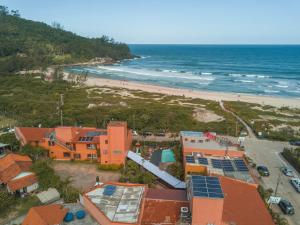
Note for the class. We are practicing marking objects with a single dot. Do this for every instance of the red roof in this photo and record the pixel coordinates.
(11, 165)
(162, 211)
(45, 215)
(243, 204)
(22, 182)
(33, 133)
(162, 206)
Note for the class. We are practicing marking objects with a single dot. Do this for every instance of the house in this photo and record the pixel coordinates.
(16, 175)
(207, 200)
(45, 215)
(209, 154)
(107, 146)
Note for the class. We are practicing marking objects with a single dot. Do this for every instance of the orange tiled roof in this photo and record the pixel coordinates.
(13, 164)
(243, 204)
(162, 211)
(34, 133)
(45, 215)
(22, 182)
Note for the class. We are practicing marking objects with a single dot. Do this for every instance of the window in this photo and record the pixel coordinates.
(92, 156)
(67, 155)
(51, 143)
(91, 146)
(106, 141)
(77, 156)
(186, 139)
(105, 152)
(193, 141)
(117, 152)
(200, 141)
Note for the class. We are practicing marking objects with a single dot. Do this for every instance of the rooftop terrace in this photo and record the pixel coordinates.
(230, 167)
(119, 204)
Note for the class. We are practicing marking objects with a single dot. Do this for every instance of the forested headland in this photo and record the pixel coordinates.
(27, 44)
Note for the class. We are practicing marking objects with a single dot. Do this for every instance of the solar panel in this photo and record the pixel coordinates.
(86, 138)
(224, 164)
(240, 165)
(202, 160)
(109, 190)
(206, 187)
(190, 159)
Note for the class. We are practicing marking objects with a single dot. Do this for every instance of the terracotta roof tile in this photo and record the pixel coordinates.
(162, 211)
(20, 183)
(45, 215)
(13, 164)
(243, 204)
(34, 133)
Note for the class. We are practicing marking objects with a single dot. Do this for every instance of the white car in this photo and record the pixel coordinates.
(295, 182)
(287, 171)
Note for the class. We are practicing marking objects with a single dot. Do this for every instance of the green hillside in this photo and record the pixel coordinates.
(27, 44)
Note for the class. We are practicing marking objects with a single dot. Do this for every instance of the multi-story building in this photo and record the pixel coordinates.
(207, 200)
(209, 154)
(107, 146)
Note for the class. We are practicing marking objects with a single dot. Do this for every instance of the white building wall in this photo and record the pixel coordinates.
(32, 187)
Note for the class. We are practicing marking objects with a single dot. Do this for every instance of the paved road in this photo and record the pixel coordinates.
(266, 153)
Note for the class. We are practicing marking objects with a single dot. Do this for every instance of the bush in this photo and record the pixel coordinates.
(6, 201)
(110, 167)
(47, 178)
(35, 153)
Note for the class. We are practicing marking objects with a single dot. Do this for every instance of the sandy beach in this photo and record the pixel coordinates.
(208, 95)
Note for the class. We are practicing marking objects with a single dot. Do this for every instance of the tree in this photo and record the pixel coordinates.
(15, 13)
(3, 10)
(11, 140)
(35, 153)
(57, 25)
(6, 200)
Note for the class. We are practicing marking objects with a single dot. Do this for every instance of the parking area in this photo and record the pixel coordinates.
(267, 153)
(83, 175)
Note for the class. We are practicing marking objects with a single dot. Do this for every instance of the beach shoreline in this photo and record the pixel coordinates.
(207, 95)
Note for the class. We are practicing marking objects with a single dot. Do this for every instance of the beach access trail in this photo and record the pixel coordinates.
(251, 133)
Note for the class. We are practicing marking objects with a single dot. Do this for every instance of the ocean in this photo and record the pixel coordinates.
(272, 70)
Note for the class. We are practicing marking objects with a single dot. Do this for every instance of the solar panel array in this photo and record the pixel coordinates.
(86, 138)
(209, 187)
(190, 159)
(202, 160)
(224, 164)
(240, 165)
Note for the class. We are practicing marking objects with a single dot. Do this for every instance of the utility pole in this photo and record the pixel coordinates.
(61, 110)
(236, 128)
(277, 185)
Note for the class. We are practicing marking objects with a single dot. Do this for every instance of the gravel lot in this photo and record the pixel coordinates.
(268, 153)
(83, 175)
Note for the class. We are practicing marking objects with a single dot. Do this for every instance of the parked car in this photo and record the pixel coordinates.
(263, 171)
(286, 207)
(287, 171)
(296, 143)
(295, 182)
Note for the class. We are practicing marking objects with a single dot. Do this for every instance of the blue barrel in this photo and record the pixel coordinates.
(80, 214)
(69, 217)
